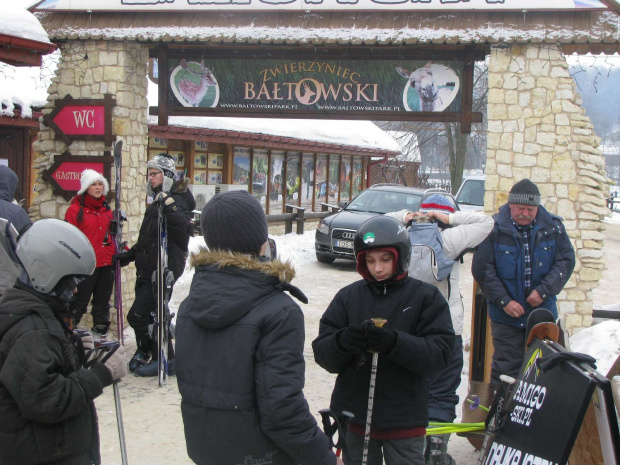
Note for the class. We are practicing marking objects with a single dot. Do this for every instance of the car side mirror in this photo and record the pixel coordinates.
(343, 203)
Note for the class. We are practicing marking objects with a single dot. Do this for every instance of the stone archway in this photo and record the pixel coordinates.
(537, 129)
(536, 126)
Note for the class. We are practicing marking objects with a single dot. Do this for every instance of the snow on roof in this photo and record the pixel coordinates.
(351, 133)
(342, 28)
(17, 22)
(26, 86)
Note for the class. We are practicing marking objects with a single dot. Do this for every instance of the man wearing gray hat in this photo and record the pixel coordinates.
(522, 265)
(178, 205)
(240, 341)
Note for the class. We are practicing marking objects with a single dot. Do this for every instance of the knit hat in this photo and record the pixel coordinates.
(234, 221)
(88, 178)
(164, 163)
(525, 192)
(436, 203)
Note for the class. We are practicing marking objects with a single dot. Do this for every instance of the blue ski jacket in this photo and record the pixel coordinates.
(499, 265)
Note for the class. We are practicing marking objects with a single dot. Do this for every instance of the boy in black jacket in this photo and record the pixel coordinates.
(415, 343)
(240, 348)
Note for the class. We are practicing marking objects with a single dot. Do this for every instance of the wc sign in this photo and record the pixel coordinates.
(82, 119)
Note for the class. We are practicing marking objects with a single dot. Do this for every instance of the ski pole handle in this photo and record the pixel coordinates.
(328, 428)
(343, 427)
(378, 322)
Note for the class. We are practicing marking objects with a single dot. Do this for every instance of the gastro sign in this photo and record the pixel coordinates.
(304, 5)
(65, 172)
(82, 119)
(388, 86)
(68, 173)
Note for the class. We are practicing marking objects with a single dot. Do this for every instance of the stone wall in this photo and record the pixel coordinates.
(90, 69)
(537, 129)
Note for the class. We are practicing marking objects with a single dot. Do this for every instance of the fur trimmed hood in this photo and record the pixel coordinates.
(227, 286)
(284, 271)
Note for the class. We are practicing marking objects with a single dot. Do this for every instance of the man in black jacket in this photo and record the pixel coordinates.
(415, 343)
(178, 205)
(240, 342)
(47, 380)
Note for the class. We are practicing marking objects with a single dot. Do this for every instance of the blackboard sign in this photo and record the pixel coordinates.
(546, 411)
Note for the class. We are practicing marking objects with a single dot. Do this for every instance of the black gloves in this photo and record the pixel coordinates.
(124, 258)
(352, 340)
(380, 340)
(366, 338)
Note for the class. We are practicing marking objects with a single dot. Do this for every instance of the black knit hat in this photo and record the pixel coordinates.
(525, 192)
(234, 221)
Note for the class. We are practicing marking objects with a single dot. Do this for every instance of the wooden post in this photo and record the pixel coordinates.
(288, 224)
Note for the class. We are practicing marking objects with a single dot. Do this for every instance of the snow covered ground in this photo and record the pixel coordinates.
(152, 415)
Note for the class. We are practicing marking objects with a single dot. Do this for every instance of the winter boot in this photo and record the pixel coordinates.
(437, 450)
(139, 359)
(150, 369)
(100, 333)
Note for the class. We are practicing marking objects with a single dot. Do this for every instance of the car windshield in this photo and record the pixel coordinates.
(472, 192)
(379, 201)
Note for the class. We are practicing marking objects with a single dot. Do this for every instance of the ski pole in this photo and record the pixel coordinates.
(340, 424)
(496, 413)
(371, 393)
(119, 422)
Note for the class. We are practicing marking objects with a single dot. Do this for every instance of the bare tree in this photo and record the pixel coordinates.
(443, 148)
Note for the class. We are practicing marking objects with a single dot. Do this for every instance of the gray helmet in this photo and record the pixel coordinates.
(51, 250)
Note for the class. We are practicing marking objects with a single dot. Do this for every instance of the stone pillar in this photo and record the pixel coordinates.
(537, 129)
(90, 69)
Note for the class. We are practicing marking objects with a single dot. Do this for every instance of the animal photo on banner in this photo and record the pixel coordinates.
(432, 87)
(194, 85)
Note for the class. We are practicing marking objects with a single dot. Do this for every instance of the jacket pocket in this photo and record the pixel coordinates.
(506, 262)
(544, 256)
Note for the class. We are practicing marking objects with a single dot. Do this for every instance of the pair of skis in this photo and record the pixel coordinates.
(117, 231)
(163, 280)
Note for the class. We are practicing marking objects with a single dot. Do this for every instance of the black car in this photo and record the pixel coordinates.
(335, 233)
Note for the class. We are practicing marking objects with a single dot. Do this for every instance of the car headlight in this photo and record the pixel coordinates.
(322, 227)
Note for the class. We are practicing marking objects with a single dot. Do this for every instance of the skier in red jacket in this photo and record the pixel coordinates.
(90, 213)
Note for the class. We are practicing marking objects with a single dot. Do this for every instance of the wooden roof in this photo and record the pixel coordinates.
(596, 31)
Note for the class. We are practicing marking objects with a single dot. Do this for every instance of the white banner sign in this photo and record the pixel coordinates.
(304, 5)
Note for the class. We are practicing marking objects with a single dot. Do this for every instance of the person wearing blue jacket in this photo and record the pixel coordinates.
(522, 265)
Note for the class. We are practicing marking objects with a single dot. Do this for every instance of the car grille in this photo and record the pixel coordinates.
(343, 235)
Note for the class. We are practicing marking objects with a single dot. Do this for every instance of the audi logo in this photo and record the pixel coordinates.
(348, 235)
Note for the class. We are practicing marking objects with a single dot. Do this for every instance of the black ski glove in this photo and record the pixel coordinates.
(380, 340)
(352, 340)
(124, 258)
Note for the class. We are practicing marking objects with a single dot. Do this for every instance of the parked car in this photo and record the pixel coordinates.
(335, 233)
(470, 196)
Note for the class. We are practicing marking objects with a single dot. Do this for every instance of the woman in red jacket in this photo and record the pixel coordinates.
(90, 212)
